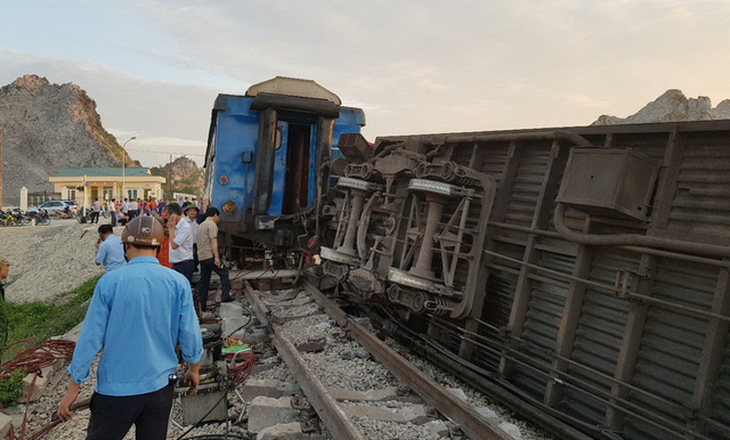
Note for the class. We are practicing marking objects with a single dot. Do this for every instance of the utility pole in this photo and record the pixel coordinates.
(124, 161)
(1, 169)
(169, 178)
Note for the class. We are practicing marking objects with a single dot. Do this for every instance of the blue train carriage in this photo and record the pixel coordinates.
(267, 164)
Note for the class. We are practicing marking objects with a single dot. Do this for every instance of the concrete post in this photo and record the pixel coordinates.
(86, 197)
(24, 199)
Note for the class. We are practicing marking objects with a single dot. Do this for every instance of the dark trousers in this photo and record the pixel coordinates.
(186, 268)
(206, 268)
(114, 218)
(94, 217)
(112, 417)
(195, 257)
(133, 213)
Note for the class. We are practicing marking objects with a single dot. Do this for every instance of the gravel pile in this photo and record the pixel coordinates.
(350, 374)
(312, 328)
(48, 260)
(344, 363)
(279, 372)
(382, 430)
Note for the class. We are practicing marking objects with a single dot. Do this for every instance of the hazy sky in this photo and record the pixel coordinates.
(154, 67)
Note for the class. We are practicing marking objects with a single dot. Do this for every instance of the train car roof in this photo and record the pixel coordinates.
(303, 88)
(583, 130)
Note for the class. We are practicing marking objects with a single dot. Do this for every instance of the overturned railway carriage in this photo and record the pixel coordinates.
(268, 161)
(584, 269)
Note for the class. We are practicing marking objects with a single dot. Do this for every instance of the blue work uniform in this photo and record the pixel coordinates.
(136, 316)
(111, 253)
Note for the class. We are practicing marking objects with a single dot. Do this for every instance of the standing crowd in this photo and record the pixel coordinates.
(189, 244)
(122, 211)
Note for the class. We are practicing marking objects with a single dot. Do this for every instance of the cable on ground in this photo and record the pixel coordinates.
(33, 360)
(36, 358)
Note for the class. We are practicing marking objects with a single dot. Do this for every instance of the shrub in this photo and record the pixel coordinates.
(11, 389)
(36, 321)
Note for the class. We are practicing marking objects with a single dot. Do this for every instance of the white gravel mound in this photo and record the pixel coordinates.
(48, 260)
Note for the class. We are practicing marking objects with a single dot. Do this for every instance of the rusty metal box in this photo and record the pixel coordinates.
(613, 182)
(355, 147)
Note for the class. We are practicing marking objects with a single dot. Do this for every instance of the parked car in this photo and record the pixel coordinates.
(52, 206)
(72, 204)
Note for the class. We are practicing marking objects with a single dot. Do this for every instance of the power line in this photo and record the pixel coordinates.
(165, 152)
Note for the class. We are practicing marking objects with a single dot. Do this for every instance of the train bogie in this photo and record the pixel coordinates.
(585, 268)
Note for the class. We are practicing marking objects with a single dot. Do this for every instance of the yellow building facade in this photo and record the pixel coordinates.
(86, 184)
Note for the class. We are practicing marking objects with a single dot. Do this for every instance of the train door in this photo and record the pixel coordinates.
(296, 181)
(293, 167)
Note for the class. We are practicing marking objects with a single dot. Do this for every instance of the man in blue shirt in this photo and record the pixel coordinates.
(109, 249)
(136, 317)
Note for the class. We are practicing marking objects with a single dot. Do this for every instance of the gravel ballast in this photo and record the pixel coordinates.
(340, 362)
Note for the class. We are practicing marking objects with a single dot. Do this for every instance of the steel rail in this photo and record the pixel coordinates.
(469, 420)
(257, 274)
(334, 417)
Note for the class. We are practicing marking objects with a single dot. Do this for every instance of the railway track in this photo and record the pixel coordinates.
(304, 334)
(360, 386)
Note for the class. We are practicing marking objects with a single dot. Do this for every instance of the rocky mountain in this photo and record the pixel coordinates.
(672, 106)
(47, 127)
(183, 174)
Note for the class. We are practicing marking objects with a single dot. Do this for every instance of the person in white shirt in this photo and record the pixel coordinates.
(133, 209)
(181, 242)
(190, 211)
(95, 210)
(113, 212)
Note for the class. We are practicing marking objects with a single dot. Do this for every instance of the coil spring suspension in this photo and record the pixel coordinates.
(437, 305)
